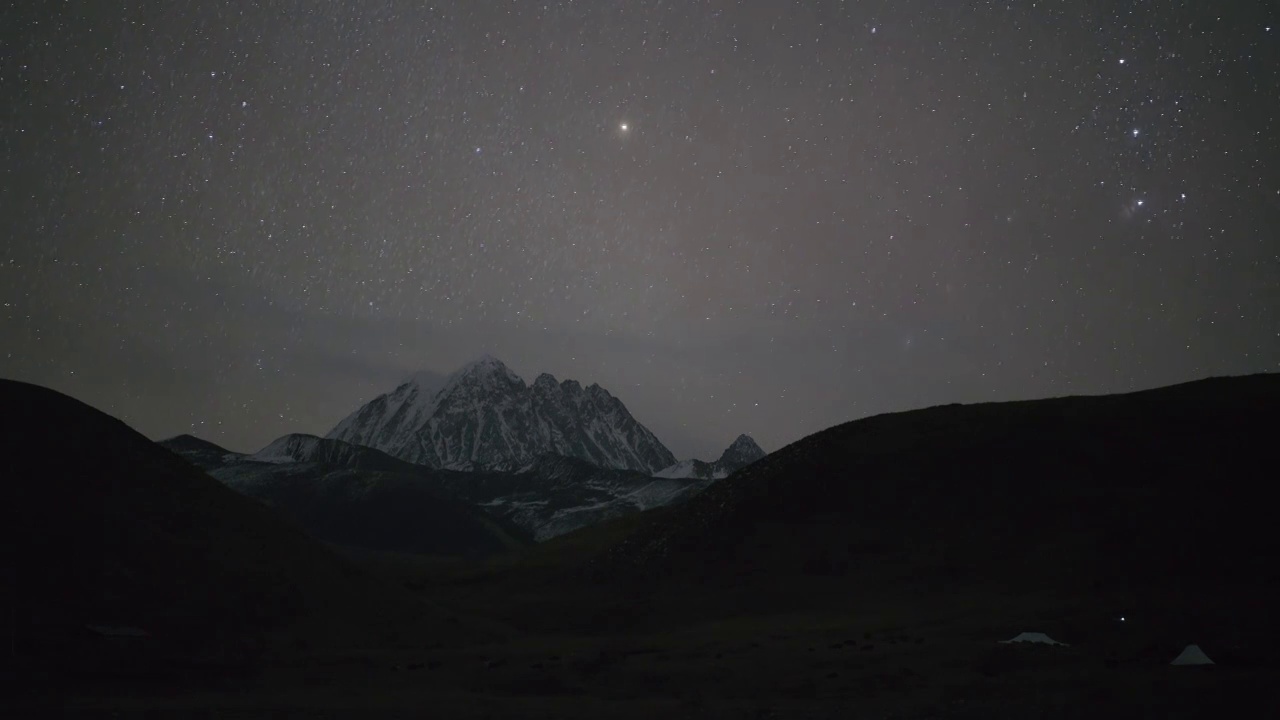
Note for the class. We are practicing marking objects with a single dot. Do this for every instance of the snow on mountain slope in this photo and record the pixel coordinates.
(484, 417)
(337, 490)
(550, 457)
(741, 453)
(201, 453)
(302, 448)
(685, 469)
(290, 448)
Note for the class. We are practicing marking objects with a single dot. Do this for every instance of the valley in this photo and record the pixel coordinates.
(870, 571)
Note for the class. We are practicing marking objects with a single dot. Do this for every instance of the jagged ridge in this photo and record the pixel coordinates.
(484, 417)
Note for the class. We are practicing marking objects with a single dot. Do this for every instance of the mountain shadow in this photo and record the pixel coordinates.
(361, 498)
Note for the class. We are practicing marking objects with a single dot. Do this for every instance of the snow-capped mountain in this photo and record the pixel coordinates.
(485, 417)
(542, 459)
(739, 454)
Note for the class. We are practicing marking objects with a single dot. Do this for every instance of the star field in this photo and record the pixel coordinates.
(760, 217)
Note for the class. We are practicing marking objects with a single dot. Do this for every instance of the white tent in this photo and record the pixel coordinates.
(1033, 637)
(1192, 655)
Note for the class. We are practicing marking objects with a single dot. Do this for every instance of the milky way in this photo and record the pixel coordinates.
(760, 217)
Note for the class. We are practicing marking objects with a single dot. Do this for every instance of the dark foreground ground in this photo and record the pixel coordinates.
(868, 571)
(555, 645)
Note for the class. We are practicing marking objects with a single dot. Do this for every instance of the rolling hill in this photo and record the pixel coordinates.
(1155, 499)
(127, 563)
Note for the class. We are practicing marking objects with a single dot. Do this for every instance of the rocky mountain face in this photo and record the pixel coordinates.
(740, 454)
(485, 417)
(469, 463)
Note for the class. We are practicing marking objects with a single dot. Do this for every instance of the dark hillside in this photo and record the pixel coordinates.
(126, 561)
(1160, 497)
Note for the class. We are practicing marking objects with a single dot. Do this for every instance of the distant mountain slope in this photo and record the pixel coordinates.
(484, 417)
(200, 452)
(365, 498)
(299, 447)
(374, 509)
(557, 495)
(742, 452)
(109, 530)
(360, 497)
(1163, 489)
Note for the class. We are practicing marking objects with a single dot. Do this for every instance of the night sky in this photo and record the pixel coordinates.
(246, 219)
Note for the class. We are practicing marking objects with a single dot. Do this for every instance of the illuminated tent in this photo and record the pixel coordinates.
(1192, 655)
(1033, 637)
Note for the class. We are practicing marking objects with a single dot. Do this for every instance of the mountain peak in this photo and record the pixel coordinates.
(487, 359)
(487, 372)
(485, 364)
(485, 417)
(743, 451)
